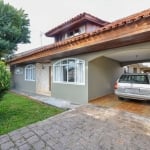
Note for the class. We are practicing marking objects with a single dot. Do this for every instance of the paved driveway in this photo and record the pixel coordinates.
(84, 128)
(134, 106)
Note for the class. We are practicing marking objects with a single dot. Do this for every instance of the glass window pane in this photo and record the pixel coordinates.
(69, 70)
(57, 73)
(34, 74)
(80, 74)
(64, 62)
(30, 73)
(65, 73)
(71, 73)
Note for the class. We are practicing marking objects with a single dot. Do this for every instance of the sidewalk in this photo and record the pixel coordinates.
(84, 128)
(48, 100)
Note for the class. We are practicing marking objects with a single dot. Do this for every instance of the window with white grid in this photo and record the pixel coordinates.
(30, 72)
(69, 70)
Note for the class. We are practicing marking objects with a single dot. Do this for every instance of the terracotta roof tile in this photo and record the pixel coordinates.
(109, 27)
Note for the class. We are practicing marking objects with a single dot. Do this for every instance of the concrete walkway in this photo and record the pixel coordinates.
(48, 100)
(84, 128)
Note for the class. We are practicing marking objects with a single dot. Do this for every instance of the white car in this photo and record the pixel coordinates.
(133, 86)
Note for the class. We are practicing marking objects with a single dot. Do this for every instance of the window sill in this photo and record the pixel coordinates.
(30, 80)
(68, 83)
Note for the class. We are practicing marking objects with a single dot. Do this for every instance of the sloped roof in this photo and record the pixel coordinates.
(76, 20)
(101, 31)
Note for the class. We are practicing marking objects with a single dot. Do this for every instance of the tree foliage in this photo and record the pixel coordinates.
(4, 77)
(14, 28)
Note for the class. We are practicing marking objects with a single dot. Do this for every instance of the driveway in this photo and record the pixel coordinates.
(134, 106)
(84, 128)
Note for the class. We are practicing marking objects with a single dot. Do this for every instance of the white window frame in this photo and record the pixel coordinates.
(60, 66)
(30, 72)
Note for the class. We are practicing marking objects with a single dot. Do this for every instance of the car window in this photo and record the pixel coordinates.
(141, 79)
(138, 79)
(125, 79)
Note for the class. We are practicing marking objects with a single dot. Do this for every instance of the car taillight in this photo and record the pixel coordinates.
(116, 85)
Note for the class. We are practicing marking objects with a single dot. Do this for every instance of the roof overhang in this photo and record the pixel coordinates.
(116, 35)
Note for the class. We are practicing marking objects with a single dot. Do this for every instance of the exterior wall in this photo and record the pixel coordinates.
(91, 27)
(102, 73)
(20, 84)
(77, 94)
(42, 79)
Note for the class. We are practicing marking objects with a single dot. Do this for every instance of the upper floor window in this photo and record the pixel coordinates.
(30, 72)
(74, 32)
(70, 33)
(69, 71)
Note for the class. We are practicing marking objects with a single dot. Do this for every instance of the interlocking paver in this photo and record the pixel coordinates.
(84, 128)
(28, 134)
(20, 141)
(24, 130)
(13, 148)
(39, 145)
(4, 138)
(25, 147)
(15, 137)
(33, 139)
(38, 131)
(7, 145)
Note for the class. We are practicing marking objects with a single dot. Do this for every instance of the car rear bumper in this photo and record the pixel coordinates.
(132, 96)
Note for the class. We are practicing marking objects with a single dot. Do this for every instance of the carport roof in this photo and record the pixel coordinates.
(129, 30)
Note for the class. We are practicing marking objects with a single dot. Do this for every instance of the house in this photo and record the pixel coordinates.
(86, 58)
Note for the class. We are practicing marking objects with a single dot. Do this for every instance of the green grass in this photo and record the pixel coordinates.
(17, 111)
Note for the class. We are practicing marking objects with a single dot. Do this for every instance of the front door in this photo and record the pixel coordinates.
(43, 80)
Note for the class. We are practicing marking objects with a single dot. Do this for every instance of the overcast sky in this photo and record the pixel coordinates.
(46, 14)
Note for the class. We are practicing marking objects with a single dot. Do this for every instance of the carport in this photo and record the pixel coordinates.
(104, 68)
(108, 71)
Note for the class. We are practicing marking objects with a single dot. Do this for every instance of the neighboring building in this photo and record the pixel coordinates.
(86, 58)
(137, 68)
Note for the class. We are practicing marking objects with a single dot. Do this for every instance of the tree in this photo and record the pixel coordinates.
(4, 78)
(14, 28)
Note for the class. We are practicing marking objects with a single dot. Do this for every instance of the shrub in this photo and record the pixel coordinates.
(4, 77)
